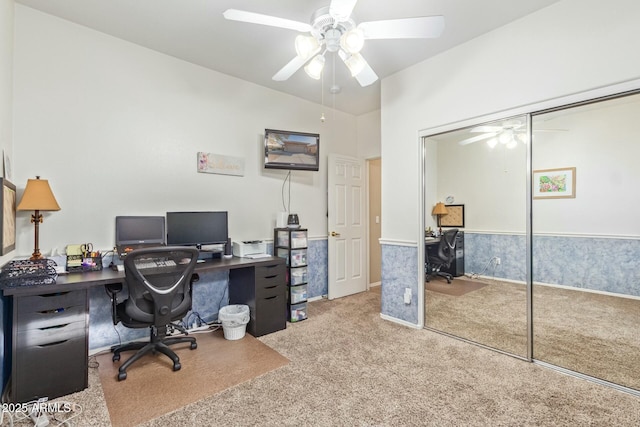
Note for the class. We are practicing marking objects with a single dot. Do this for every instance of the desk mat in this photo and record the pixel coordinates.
(458, 286)
(153, 389)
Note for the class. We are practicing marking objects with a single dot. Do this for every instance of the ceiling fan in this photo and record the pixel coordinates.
(332, 29)
(509, 133)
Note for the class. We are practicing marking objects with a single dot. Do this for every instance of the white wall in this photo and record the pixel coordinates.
(6, 85)
(115, 128)
(369, 135)
(569, 47)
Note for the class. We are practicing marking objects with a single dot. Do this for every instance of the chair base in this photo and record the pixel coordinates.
(447, 276)
(156, 344)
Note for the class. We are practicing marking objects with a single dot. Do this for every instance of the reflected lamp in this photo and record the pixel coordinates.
(37, 197)
(438, 210)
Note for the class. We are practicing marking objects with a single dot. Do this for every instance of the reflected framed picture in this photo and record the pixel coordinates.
(8, 214)
(454, 216)
(554, 183)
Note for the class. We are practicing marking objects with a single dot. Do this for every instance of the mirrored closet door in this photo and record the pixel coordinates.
(479, 173)
(586, 239)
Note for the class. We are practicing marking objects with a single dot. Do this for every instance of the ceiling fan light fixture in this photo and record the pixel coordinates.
(505, 137)
(314, 67)
(306, 45)
(352, 41)
(355, 63)
(492, 142)
(512, 144)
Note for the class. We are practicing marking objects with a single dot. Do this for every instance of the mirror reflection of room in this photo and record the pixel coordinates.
(585, 303)
(481, 170)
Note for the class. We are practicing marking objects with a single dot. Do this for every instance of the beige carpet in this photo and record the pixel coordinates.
(350, 367)
(152, 388)
(458, 286)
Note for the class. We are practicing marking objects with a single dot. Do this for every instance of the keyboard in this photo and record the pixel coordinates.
(155, 263)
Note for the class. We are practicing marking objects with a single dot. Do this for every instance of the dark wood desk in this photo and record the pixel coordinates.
(49, 342)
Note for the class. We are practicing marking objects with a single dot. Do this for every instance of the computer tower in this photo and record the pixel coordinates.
(456, 268)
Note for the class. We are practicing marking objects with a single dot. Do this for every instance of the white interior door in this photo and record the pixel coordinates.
(347, 227)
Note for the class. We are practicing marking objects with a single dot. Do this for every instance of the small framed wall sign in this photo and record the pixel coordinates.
(454, 216)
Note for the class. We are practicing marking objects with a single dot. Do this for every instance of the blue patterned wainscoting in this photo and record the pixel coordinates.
(593, 263)
(399, 271)
(479, 249)
(317, 258)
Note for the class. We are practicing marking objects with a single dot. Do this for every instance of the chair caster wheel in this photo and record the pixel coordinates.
(116, 357)
(177, 366)
(122, 376)
(194, 345)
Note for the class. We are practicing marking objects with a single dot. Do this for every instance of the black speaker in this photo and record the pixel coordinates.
(227, 247)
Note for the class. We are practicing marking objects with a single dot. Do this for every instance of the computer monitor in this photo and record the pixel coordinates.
(140, 230)
(197, 228)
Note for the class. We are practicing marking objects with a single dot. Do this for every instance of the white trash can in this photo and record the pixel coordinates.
(234, 319)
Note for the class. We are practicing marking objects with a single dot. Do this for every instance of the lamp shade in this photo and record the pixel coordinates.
(440, 209)
(38, 197)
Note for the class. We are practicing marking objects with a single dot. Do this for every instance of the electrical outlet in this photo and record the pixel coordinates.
(407, 295)
(498, 260)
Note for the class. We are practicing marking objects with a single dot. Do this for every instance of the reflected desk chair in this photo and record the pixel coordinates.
(443, 256)
(159, 281)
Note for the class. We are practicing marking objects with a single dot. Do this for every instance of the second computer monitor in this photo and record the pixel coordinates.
(197, 228)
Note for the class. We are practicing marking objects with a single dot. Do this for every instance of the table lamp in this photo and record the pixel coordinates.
(439, 209)
(37, 197)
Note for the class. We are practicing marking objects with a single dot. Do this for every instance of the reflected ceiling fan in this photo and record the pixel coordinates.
(509, 133)
(332, 29)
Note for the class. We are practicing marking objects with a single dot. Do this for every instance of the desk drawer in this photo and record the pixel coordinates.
(271, 290)
(269, 271)
(271, 312)
(51, 301)
(49, 318)
(50, 371)
(49, 335)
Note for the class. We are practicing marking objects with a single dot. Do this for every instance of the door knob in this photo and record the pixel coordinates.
(334, 234)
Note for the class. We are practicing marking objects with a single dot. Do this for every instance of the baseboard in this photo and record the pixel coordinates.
(400, 321)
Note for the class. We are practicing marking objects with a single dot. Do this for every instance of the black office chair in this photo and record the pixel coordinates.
(159, 283)
(443, 257)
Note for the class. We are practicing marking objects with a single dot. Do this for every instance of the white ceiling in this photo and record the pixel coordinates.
(195, 31)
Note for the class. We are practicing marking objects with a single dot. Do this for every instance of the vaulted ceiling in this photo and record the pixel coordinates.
(197, 32)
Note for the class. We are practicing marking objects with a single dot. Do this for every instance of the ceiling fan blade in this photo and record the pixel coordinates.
(406, 28)
(485, 129)
(477, 138)
(292, 66)
(258, 18)
(340, 10)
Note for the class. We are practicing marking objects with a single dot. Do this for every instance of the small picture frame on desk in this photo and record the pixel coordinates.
(8, 216)
(453, 218)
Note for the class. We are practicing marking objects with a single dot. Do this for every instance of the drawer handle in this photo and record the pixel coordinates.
(55, 310)
(53, 343)
(57, 294)
(271, 287)
(270, 277)
(275, 296)
(54, 327)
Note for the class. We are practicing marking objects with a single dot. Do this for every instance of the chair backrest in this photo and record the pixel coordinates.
(159, 294)
(447, 247)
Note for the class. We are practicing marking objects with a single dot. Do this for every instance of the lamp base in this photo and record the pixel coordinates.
(36, 255)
